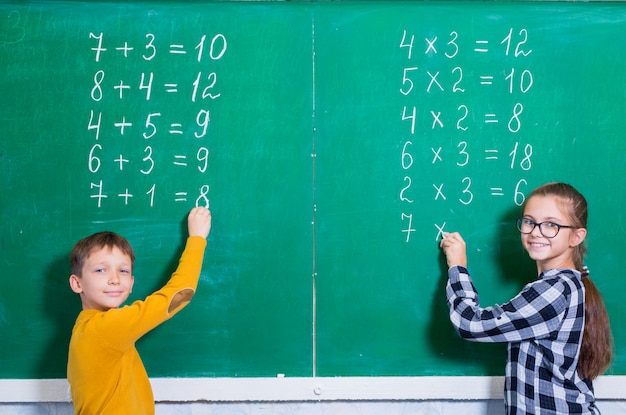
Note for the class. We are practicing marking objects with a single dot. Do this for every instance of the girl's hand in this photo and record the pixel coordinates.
(199, 222)
(454, 248)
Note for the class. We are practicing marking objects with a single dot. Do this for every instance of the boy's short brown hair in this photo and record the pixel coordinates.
(85, 246)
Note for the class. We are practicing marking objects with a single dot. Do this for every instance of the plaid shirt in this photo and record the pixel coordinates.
(543, 326)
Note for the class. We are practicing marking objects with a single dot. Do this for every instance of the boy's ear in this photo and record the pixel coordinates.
(75, 284)
(577, 237)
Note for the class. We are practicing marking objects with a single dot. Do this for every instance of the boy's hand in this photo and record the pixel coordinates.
(454, 248)
(199, 222)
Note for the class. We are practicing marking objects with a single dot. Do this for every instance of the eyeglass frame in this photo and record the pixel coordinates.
(519, 223)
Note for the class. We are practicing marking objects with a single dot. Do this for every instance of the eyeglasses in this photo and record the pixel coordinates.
(547, 229)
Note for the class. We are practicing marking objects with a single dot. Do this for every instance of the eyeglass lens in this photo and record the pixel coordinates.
(547, 229)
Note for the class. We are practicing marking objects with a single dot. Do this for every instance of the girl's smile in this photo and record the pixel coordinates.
(554, 252)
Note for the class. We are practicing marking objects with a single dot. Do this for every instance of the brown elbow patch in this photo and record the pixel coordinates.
(180, 298)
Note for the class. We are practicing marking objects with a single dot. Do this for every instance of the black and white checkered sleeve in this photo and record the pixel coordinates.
(534, 313)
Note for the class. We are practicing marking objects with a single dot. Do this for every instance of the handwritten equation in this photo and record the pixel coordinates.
(146, 150)
(446, 114)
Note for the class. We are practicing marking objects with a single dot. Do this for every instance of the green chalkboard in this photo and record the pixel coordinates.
(442, 116)
(195, 98)
(333, 142)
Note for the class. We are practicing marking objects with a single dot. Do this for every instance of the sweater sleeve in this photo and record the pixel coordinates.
(536, 312)
(122, 327)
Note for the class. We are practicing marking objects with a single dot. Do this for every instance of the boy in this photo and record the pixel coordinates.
(104, 370)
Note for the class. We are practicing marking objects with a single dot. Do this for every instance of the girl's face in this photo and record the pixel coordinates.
(550, 253)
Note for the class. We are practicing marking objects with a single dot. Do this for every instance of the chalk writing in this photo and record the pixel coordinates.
(440, 122)
(129, 160)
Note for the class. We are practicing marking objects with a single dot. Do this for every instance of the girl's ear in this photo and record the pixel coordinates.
(577, 237)
(75, 284)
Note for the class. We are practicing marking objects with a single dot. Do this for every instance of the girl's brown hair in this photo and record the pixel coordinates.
(597, 344)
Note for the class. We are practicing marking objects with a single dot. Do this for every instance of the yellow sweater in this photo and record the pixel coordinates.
(105, 372)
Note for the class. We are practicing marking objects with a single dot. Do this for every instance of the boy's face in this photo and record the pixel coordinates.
(106, 280)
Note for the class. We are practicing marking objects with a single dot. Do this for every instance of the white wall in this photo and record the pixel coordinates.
(304, 396)
(481, 407)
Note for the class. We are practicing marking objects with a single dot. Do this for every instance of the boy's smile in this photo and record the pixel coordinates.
(106, 280)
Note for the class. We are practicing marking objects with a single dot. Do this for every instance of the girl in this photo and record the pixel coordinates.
(557, 327)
